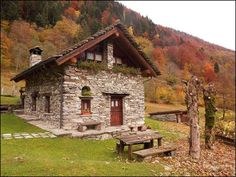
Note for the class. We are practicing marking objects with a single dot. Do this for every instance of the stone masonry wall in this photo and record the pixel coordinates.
(104, 81)
(44, 82)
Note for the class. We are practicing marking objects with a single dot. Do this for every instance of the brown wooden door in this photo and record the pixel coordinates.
(116, 111)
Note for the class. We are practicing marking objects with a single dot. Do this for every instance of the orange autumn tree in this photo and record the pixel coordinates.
(158, 56)
(208, 72)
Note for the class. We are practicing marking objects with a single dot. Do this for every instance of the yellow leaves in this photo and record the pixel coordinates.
(145, 44)
(131, 30)
(67, 27)
(5, 25)
(62, 35)
(185, 72)
(5, 46)
(71, 13)
(77, 13)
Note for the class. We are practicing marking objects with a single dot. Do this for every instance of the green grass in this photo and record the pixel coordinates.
(158, 125)
(9, 100)
(12, 124)
(66, 156)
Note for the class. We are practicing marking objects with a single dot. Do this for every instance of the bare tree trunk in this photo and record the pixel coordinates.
(192, 88)
(210, 109)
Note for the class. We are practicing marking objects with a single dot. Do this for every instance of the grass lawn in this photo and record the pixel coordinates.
(68, 156)
(9, 99)
(12, 124)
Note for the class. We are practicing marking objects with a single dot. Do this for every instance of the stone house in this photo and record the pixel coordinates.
(97, 83)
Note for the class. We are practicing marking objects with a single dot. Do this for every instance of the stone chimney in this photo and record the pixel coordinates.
(35, 55)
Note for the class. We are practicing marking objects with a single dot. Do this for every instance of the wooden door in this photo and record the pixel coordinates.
(116, 111)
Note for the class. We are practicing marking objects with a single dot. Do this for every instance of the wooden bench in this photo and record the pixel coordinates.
(89, 125)
(147, 154)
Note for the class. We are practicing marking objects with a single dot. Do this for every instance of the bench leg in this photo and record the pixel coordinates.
(146, 145)
(122, 147)
(130, 152)
(118, 148)
(151, 144)
(159, 142)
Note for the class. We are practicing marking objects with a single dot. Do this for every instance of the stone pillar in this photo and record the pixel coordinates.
(110, 58)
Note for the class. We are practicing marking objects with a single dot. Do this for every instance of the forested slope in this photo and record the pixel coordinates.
(56, 25)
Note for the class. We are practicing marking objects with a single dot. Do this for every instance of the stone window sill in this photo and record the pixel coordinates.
(86, 114)
(48, 114)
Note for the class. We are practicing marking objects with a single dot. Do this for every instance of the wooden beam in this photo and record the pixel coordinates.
(122, 50)
(86, 46)
(135, 51)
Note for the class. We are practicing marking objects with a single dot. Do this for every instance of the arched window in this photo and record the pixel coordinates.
(86, 91)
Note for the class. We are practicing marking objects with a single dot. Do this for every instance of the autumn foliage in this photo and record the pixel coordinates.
(57, 25)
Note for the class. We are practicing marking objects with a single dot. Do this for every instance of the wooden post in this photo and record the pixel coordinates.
(130, 152)
(192, 88)
(209, 99)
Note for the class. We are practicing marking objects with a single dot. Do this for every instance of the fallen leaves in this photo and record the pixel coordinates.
(220, 161)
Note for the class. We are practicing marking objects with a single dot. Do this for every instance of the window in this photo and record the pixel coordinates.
(94, 56)
(34, 103)
(98, 57)
(85, 106)
(90, 56)
(47, 104)
(86, 91)
(118, 60)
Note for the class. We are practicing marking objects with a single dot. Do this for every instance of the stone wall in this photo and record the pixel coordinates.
(104, 81)
(44, 83)
(166, 117)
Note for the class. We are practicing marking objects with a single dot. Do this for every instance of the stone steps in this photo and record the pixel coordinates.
(18, 111)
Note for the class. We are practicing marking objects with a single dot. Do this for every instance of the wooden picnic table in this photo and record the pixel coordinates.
(146, 138)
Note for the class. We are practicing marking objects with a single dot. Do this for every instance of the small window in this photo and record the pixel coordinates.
(47, 104)
(90, 56)
(112, 103)
(85, 106)
(98, 57)
(118, 61)
(86, 91)
(34, 103)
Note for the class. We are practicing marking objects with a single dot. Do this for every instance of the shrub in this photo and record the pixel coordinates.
(125, 70)
(171, 80)
(92, 66)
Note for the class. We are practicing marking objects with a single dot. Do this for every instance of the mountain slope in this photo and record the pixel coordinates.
(56, 25)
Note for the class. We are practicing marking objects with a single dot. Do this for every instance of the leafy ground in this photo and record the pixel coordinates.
(9, 99)
(67, 156)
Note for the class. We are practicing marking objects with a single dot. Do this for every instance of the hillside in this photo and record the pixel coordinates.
(56, 25)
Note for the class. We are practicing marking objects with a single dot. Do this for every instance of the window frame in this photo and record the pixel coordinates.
(47, 107)
(94, 56)
(88, 109)
(34, 102)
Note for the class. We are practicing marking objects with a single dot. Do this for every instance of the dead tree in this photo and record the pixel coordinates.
(210, 109)
(192, 88)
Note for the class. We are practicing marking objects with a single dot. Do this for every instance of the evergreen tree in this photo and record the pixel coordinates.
(9, 10)
(216, 68)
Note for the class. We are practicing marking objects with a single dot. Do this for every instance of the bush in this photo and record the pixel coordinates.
(92, 66)
(125, 70)
(171, 80)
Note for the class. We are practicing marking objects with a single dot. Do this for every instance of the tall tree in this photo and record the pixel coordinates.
(209, 99)
(192, 88)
